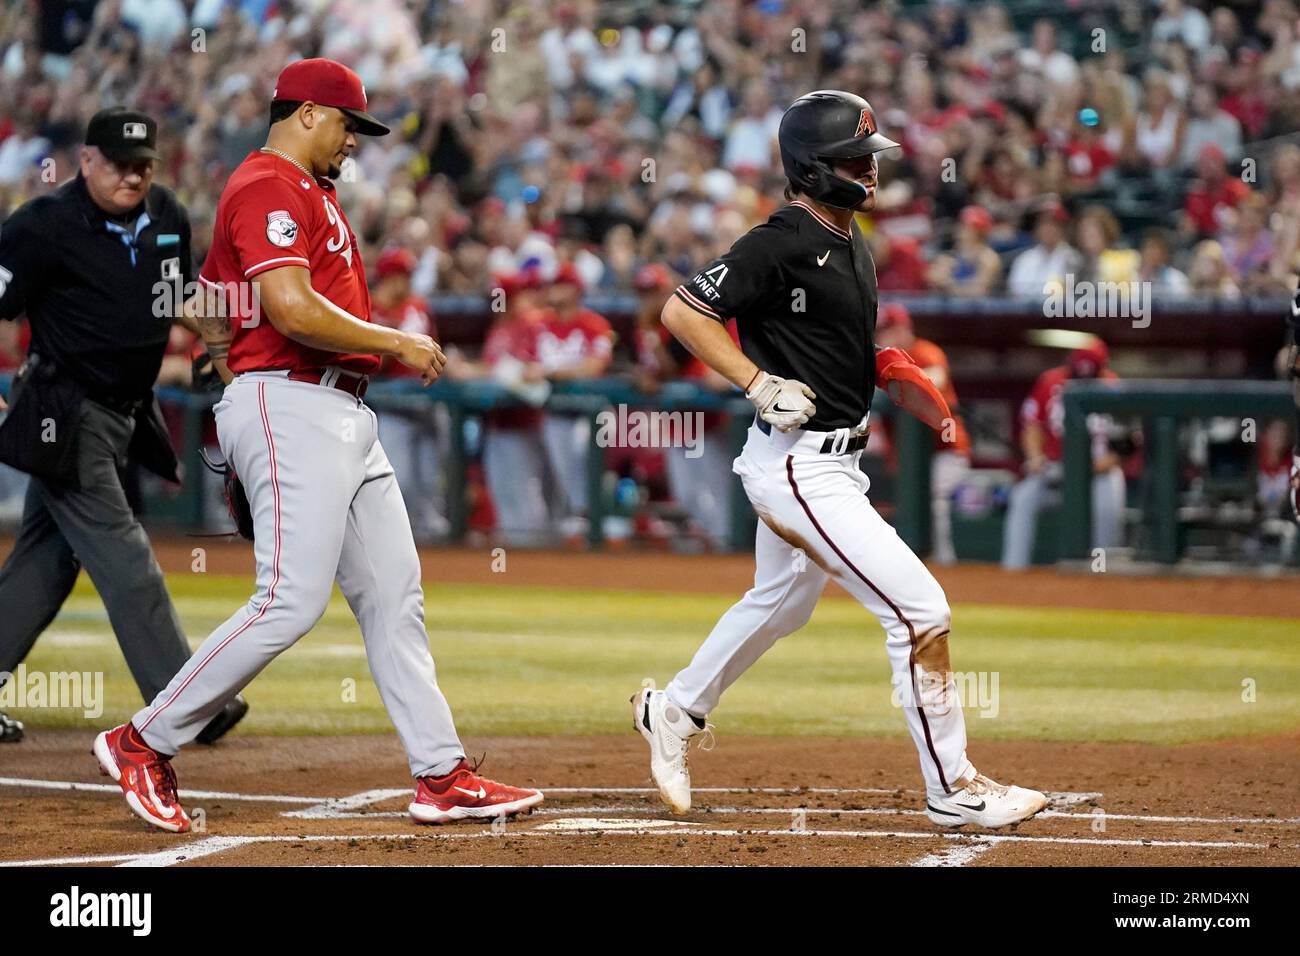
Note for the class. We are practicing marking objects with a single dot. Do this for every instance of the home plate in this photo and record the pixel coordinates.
(609, 823)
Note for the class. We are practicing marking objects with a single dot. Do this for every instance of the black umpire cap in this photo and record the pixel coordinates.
(123, 135)
(822, 125)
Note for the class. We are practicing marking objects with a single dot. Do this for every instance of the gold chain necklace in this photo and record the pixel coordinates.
(286, 156)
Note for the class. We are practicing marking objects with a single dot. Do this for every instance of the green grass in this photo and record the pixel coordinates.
(515, 660)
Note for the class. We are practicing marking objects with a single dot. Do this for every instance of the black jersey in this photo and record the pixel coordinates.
(803, 293)
(91, 290)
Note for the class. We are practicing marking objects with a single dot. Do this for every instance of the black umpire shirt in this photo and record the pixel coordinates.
(803, 293)
(87, 285)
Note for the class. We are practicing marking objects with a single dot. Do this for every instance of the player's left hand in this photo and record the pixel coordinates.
(782, 402)
(910, 388)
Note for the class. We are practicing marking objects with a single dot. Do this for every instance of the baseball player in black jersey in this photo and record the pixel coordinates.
(802, 288)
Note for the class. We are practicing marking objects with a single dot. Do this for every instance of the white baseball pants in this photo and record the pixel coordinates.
(818, 505)
(325, 506)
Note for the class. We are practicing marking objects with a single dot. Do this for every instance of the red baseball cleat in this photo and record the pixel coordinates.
(464, 795)
(146, 777)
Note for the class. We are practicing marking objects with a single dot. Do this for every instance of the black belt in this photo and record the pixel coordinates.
(123, 406)
(857, 443)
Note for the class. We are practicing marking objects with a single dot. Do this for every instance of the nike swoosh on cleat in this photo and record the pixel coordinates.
(933, 809)
(478, 794)
(967, 806)
(645, 719)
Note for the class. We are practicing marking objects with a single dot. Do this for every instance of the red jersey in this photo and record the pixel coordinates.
(1205, 205)
(270, 215)
(1044, 408)
(511, 342)
(563, 343)
(409, 315)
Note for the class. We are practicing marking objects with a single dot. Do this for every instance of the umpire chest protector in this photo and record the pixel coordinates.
(89, 285)
(803, 293)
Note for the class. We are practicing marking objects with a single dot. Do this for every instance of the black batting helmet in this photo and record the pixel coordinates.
(828, 124)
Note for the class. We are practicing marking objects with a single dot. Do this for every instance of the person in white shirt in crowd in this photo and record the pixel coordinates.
(1055, 65)
(1180, 21)
(1051, 259)
(750, 143)
(1207, 124)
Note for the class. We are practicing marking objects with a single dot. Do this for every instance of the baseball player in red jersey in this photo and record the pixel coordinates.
(1042, 426)
(324, 500)
(410, 436)
(573, 343)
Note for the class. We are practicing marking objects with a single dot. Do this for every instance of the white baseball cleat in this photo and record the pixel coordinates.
(668, 729)
(985, 803)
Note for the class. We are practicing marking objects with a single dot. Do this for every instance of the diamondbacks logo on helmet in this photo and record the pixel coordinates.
(865, 125)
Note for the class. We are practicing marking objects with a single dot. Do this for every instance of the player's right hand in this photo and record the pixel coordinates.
(423, 354)
(783, 403)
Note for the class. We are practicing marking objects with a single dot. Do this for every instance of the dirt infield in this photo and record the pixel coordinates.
(1242, 596)
(341, 800)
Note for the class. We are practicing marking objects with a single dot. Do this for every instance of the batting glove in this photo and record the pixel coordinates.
(781, 402)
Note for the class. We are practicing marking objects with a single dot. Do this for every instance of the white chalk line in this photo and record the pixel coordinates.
(213, 845)
(184, 794)
(958, 855)
(340, 808)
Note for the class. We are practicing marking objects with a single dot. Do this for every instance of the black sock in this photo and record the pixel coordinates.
(699, 721)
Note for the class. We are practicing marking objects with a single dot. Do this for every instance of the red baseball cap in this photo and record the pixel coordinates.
(395, 262)
(893, 315)
(977, 218)
(651, 277)
(567, 274)
(328, 83)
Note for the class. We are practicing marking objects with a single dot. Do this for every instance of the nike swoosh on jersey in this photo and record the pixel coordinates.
(821, 260)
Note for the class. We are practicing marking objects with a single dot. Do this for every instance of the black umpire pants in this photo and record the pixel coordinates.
(94, 527)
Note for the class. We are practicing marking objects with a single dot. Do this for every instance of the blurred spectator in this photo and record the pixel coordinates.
(750, 141)
(410, 436)
(1209, 273)
(1248, 246)
(1042, 422)
(1180, 21)
(1155, 268)
(900, 266)
(1051, 259)
(1212, 195)
(1102, 259)
(973, 268)
(1207, 124)
(1160, 127)
(1055, 65)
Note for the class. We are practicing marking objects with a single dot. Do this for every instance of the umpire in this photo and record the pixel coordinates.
(81, 263)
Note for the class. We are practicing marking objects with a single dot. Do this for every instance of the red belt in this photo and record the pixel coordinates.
(352, 383)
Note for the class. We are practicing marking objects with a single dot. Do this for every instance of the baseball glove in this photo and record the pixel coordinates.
(233, 491)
